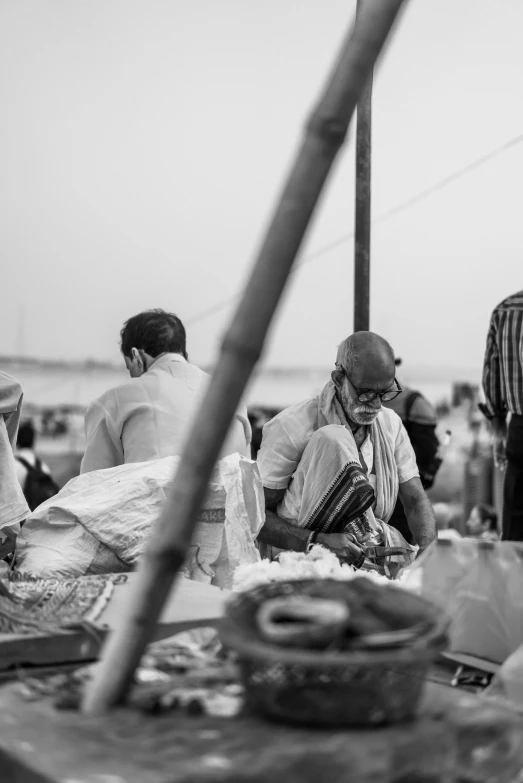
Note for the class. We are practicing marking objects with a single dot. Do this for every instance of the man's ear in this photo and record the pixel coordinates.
(137, 359)
(337, 378)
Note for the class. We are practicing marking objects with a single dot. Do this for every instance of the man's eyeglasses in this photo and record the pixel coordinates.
(370, 396)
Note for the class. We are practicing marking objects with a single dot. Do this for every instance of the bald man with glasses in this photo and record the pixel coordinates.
(333, 466)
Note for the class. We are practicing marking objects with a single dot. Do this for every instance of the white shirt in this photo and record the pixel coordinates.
(149, 417)
(13, 506)
(286, 436)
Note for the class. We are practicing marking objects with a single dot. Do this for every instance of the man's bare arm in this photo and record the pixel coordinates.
(278, 532)
(284, 535)
(419, 512)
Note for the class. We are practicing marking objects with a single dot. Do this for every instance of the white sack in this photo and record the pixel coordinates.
(100, 522)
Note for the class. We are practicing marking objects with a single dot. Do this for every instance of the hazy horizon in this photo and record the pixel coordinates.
(144, 144)
(55, 385)
(419, 371)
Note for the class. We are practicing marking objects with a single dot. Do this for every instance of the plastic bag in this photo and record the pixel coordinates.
(100, 522)
(507, 684)
(480, 586)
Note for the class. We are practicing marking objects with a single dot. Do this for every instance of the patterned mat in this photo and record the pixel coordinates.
(32, 606)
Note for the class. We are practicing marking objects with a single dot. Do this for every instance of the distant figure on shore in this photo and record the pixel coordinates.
(149, 417)
(13, 506)
(483, 523)
(503, 387)
(258, 418)
(34, 475)
(443, 513)
(332, 466)
(420, 420)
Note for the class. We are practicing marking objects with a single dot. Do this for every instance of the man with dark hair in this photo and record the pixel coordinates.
(149, 417)
(156, 331)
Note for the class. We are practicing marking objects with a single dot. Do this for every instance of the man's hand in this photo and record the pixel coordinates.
(499, 443)
(341, 545)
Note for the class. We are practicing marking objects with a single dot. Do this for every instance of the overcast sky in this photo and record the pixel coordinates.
(143, 142)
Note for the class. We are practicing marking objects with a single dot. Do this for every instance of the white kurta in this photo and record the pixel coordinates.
(13, 506)
(149, 417)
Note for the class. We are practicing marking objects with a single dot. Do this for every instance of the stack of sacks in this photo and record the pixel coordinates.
(100, 522)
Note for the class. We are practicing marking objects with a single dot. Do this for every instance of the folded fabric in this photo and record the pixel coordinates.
(387, 480)
(348, 497)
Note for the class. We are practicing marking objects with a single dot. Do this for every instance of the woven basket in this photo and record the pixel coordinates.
(329, 688)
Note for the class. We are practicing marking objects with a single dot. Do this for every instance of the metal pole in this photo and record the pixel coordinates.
(363, 204)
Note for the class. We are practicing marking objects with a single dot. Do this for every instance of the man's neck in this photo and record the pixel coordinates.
(360, 433)
(153, 360)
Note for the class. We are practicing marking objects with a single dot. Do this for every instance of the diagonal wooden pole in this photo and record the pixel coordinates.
(241, 349)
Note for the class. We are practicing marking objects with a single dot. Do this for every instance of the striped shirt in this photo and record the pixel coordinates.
(503, 364)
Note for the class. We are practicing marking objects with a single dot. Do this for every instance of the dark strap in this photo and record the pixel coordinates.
(27, 465)
(411, 399)
(37, 467)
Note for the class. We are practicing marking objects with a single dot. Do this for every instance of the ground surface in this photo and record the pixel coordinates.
(449, 742)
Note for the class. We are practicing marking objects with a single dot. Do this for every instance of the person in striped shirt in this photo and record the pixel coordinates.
(503, 387)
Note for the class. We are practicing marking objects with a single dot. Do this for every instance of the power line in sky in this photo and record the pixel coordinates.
(387, 215)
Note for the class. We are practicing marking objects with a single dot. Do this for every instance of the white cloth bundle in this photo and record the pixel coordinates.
(100, 522)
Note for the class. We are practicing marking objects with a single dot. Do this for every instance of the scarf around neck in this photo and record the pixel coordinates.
(387, 482)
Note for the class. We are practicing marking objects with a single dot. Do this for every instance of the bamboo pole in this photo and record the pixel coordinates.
(363, 204)
(240, 350)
